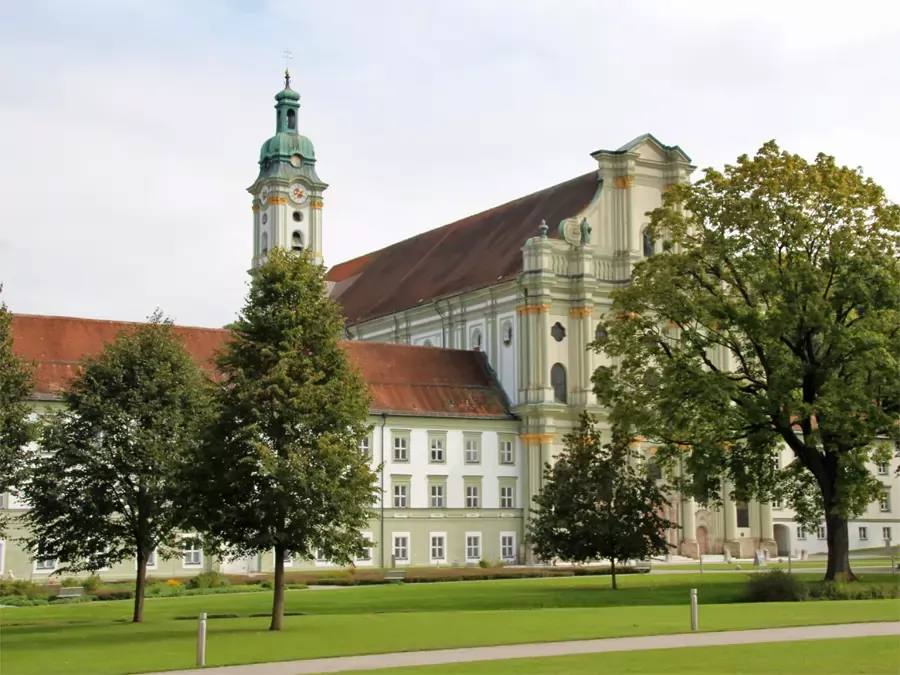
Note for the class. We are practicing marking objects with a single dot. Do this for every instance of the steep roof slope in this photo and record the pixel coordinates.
(403, 379)
(471, 253)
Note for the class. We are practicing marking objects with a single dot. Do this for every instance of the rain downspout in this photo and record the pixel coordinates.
(383, 547)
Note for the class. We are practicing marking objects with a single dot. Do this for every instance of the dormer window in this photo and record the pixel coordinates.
(297, 241)
(291, 119)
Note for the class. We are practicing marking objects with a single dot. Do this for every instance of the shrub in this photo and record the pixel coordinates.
(21, 601)
(775, 586)
(268, 584)
(484, 564)
(113, 594)
(207, 580)
(68, 582)
(92, 583)
(173, 582)
(21, 588)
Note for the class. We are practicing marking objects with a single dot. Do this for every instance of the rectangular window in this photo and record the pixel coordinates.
(821, 534)
(401, 449)
(191, 553)
(863, 533)
(473, 546)
(801, 533)
(365, 447)
(401, 496)
(320, 557)
(288, 559)
(508, 546)
(437, 450)
(151, 560)
(437, 495)
(885, 502)
(506, 451)
(506, 497)
(48, 565)
(401, 547)
(438, 545)
(473, 450)
(366, 556)
(472, 497)
(886, 533)
(777, 504)
(882, 468)
(743, 514)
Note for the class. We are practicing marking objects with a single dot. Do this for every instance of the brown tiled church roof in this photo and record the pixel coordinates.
(471, 253)
(404, 380)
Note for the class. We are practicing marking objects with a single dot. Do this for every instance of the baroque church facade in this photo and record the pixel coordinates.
(476, 357)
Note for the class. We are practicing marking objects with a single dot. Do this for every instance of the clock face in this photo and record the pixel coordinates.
(296, 160)
(298, 193)
(264, 197)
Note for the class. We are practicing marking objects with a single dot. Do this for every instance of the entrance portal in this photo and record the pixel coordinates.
(702, 540)
(783, 538)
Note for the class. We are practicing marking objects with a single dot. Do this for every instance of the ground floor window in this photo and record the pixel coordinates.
(191, 553)
(473, 547)
(401, 547)
(48, 565)
(801, 533)
(886, 533)
(822, 533)
(508, 546)
(438, 547)
(863, 533)
(366, 556)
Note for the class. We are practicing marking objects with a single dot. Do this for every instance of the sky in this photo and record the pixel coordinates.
(130, 129)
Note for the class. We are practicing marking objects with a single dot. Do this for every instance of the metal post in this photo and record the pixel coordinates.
(201, 641)
(789, 562)
(695, 620)
(701, 563)
(893, 567)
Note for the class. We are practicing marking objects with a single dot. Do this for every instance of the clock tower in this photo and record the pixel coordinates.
(287, 193)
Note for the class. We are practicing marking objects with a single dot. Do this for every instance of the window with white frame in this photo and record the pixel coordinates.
(191, 552)
(365, 447)
(506, 497)
(48, 565)
(885, 501)
(320, 556)
(401, 496)
(437, 495)
(801, 532)
(882, 468)
(472, 497)
(863, 533)
(288, 559)
(473, 546)
(473, 451)
(437, 449)
(438, 547)
(777, 504)
(366, 556)
(821, 534)
(886, 533)
(401, 547)
(506, 452)
(508, 546)
(151, 560)
(401, 449)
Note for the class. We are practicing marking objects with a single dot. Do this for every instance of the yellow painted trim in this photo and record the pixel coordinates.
(278, 200)
(536, 438)
(580, 312)
(669, 186)
(255, 208)
(623, 181)
(533, 309)
(315, 205)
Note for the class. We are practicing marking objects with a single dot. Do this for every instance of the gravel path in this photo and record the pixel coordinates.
(431, 658)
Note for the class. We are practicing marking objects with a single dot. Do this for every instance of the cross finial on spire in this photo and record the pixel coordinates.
(287, 73)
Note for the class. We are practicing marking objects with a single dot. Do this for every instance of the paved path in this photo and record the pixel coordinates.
(431, 658)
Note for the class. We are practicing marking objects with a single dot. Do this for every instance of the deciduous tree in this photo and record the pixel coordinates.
(771, 319)
(598, 502)
(281, 470)
(108, 478)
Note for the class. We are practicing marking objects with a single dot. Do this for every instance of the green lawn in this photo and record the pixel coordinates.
(796, 564)
(95, 638)
(859, 656)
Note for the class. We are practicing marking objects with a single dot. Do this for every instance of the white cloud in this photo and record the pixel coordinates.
(131, 129)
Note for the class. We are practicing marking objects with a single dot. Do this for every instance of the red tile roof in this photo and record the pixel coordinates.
(404, 380)
(471, 253)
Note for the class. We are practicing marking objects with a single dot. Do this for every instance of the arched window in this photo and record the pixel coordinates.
(291, 119)
(743, 514)
(654, 470)
(297, 241)
(476, 339)
(558, 382)
(600, 333)
(265, 243)
(507, 333)
(647, 241)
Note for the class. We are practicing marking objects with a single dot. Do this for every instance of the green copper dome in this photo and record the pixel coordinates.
(287, 142)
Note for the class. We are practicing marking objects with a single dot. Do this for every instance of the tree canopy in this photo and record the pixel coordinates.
(16, 428)
(107, 482)
(281, 468)
(599, 502)
(771, 318)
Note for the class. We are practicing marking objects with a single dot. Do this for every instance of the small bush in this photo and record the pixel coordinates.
(92, 583)
(207, 580)
(484, 564)
(268, 584)
(775, 586)
(21, 601)
(22, 589)
(68, 582)
(113, 594)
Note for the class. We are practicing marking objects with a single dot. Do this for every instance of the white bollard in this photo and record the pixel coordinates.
(201, 641)
(695, 619)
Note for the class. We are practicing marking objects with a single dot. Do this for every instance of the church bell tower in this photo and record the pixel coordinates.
(287, 193)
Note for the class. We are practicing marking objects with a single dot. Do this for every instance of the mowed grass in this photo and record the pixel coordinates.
(95, 637)
(857, 656)
(796, 564)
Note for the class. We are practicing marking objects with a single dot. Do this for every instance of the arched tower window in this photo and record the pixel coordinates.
(291, 119)
(476, 339)
(647, 242)
(507, 333)
(558, 382)
(264, 244)
(297, 241)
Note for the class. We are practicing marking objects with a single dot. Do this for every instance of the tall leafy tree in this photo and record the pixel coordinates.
(773, 318)
(281, 470)
(16, 430)
(108, 479)
(599, 502)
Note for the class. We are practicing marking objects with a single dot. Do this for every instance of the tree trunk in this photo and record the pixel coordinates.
(612, 569)
(278, 602)
(139, 587)
(838, 548)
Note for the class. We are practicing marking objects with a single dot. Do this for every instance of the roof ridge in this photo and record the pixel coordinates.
(112, 321)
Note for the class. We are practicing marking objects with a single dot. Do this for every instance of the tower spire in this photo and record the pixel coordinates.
(287, 73)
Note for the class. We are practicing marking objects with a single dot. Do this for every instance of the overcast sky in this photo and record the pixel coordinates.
(130, 129)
